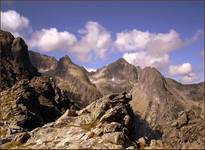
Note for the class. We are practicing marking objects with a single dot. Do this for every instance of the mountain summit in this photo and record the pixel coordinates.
(116, 77)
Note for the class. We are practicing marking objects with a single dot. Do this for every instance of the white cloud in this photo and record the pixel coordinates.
(182, 69)
(95, 40)
(137, 40)
(189, 78)
(196, 36)
(90, 69)
(51, 39)
(144, 59)
(132, 40)
(14, 22)
(184, 72)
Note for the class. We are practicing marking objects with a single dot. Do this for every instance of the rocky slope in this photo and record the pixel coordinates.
(176, 110)
(69, 77)
(14, 63)
(116, 77)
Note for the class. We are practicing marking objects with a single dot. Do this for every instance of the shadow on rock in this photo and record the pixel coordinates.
(142, 129)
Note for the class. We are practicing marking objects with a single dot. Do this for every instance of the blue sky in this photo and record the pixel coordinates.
(133, 19)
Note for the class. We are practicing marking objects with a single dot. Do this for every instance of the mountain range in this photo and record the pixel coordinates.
(119, 105)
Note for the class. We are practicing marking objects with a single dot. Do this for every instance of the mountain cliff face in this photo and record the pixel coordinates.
(14, 63)
(170, 107)
(116, 77)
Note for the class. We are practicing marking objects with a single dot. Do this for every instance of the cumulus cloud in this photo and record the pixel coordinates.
(184, 72)
(195, 37)
(144, 59)
(95, 39)
(146, 48)
(182, 69)
(137, 40)
(132, 40)
(14, 22)
(51, 39)
(189, 78)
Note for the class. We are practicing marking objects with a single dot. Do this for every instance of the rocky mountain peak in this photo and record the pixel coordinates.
(151, 76)
(65, 60)
(6, 40)
(114, 77)
(15, 62)
(121, 61)
(20, 51)
(118, 69)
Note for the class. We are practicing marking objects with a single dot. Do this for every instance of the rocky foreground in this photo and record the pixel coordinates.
(106, 123)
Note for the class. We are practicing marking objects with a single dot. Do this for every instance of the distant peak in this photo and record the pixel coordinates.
(65, 58)
(151, 70)
(121, 60)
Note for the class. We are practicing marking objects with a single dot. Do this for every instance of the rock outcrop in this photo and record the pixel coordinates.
(14, 63)
(105, 123)
(31, 104)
